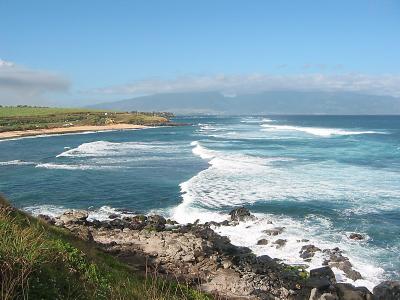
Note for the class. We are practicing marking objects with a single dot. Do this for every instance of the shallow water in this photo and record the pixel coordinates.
(321, 177)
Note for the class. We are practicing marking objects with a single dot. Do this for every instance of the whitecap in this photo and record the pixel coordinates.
(16, 163)
(318, 131)
(55, 166)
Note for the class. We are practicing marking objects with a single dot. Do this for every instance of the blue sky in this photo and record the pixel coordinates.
(90, 47)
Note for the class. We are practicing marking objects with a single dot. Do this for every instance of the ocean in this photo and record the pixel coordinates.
(321, 177)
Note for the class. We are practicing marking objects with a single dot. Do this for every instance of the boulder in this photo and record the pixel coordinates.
(240, 214)
(155, 223)
(263, 242)
(118, 224)
(274, 231)
(347, 268)
(387, 290)
(321, 278)
(308, 251)
(73, 216)
(280, 243)
(347, 291)
(114, 216)
(356, 236)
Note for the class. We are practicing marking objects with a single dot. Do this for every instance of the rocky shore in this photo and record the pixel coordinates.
(194, 253)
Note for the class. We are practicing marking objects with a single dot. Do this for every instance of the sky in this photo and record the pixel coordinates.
(82, 52)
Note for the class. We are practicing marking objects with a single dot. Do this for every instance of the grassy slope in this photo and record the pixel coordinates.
(24, 118)
(38, 261)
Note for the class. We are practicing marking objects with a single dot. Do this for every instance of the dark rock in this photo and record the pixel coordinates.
(47, 219)
(240, 214)
(356, 236)
(308, 251)
(118, 224)
(321, 278)
(155, 223)
(114, 216)
(347, 291)
(96, 223)
(263, 242)
(387, 290)
(139, 218)
(224, 223)
(280, 243)
(274, 231)
(172, 222)
(338, 260)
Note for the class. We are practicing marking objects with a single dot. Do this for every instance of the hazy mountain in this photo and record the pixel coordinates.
(276, 102)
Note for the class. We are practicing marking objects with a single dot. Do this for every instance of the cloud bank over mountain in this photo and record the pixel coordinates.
(270, 102)
(387, 85)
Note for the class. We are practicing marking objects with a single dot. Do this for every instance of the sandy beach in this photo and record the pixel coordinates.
(61, 130)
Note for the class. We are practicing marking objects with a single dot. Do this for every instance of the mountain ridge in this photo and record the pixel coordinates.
(272, 102)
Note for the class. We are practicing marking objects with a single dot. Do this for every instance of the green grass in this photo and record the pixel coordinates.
(39, 261)
(23, 111)
(27, 118)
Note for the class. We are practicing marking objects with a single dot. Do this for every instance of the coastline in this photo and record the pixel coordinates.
(73, 129)
(195, 253)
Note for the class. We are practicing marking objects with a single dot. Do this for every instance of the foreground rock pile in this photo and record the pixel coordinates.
(194, 253)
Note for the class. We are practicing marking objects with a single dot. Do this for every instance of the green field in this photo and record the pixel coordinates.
(14, 118)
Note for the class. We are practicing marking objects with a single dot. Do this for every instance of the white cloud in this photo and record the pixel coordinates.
(240, 84)
(21, 85)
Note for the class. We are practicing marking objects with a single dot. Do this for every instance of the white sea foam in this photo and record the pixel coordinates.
(55, 166)
(16, 163)
(318, 131)
(234, 179)
(101, 213)
(104, 148)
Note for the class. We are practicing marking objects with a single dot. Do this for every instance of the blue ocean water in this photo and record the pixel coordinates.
(322, 177)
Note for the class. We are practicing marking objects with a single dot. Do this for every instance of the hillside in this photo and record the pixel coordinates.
(13, 118)
(39, 261)
(273, 102)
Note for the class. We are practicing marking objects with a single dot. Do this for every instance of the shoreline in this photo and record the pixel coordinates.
(196, 252)
(73, 129)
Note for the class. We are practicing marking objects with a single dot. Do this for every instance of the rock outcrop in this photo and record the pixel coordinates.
(387, 290)
(196, 254)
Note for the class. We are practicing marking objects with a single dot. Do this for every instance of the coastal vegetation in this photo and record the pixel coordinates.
(16, 118)
(39, 261)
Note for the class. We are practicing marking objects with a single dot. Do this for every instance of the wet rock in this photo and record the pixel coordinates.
(263, 242)
(356, 237)
(321, 278)
(114, 216)
(387, 290)
(335, 258)
(280, 243)
(308, 251)
(347, 268)
(155, 223)
(274, 231)
(240, 214)
(347, 291)
(73, 216)
(118, 224)
(171, 222)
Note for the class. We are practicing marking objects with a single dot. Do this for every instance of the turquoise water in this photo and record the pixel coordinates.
(322, 177)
